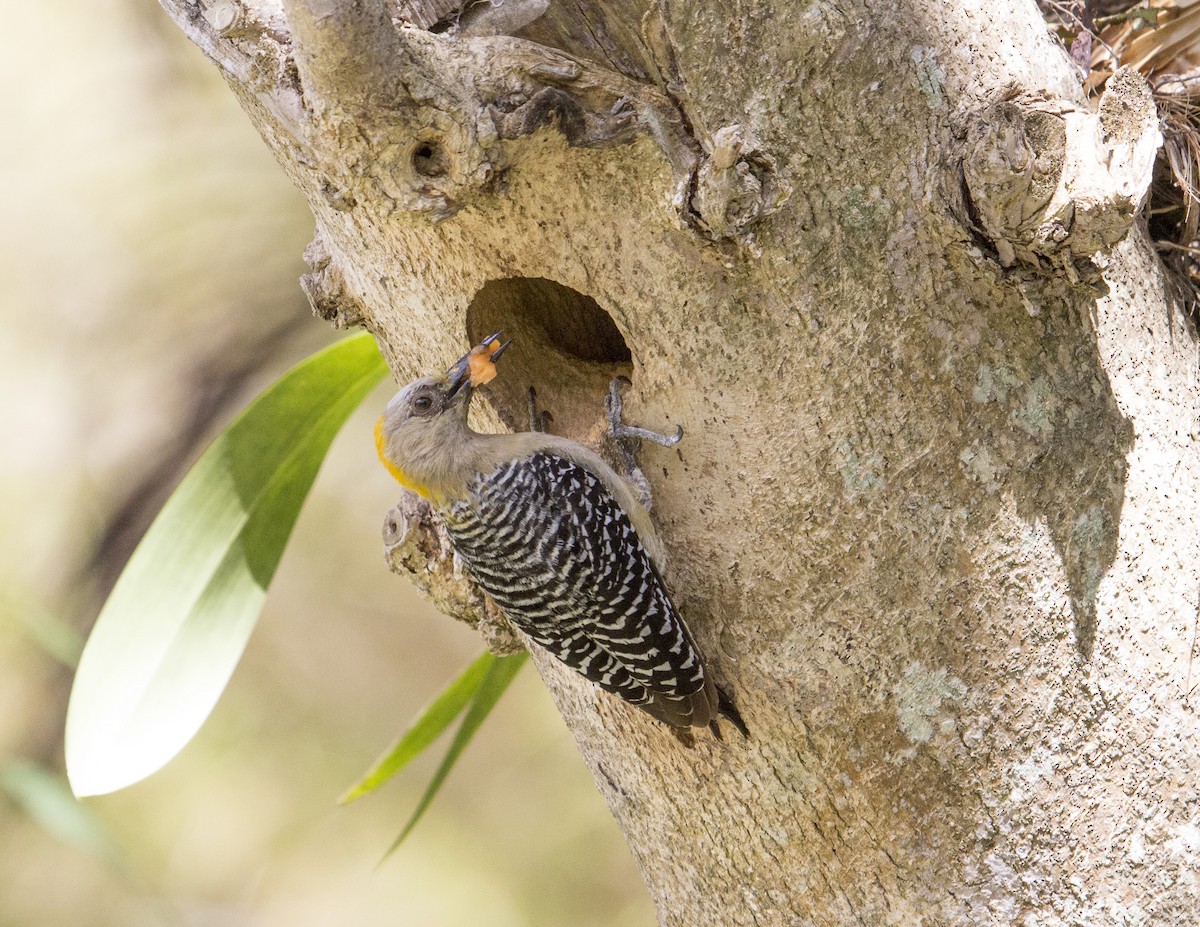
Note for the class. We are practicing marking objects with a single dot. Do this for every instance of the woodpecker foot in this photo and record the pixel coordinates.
(539, 422)
(619, 431)
(628, 438)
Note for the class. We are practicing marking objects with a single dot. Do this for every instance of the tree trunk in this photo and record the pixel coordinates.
(934, 517)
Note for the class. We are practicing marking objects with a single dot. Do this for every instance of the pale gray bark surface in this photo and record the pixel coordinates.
(934, 518)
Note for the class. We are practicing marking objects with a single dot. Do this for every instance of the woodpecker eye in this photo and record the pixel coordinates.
(422, 404)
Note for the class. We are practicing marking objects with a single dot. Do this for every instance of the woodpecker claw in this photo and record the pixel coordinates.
(627, 438)
(620, 431)
(539, 422)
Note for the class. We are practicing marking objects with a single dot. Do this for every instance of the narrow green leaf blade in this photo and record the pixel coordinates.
(43, 628)
(178, 619)
(44, 796)
(428, 726)
(499, 675)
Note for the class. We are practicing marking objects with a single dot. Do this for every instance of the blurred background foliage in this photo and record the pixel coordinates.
(150, 250)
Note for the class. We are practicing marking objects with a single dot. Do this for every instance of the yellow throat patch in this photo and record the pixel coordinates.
(401, 477)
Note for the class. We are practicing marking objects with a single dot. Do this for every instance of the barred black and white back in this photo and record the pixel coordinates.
(544, 537)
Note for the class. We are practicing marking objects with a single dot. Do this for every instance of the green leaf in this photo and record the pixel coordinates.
(178, 619)
(44, 629)
(499, 674)
(428, 726)
(46, 799)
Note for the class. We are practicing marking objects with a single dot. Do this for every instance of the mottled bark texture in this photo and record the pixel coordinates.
(934, 519)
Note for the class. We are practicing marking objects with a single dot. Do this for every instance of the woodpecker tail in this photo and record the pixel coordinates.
(701, 709)
(728, 709)
(684, 711)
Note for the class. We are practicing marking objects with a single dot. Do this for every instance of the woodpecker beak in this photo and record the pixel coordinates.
(476, 367)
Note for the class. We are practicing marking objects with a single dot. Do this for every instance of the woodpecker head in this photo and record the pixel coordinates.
(424, 425)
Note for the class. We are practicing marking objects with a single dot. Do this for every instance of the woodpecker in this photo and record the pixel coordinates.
(557, 539)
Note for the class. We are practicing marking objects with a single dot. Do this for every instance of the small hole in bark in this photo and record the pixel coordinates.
(429, 159)
(564, 345)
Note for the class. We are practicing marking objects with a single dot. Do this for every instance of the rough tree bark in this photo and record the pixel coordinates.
(935, 516)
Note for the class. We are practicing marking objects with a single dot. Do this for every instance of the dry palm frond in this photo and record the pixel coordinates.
(1180, 115)
(1167, 42)
(1175, 193)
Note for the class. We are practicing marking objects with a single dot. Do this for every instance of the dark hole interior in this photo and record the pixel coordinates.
(429, 159)
(564, 345)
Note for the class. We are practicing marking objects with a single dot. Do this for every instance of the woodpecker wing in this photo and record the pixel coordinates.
(547, 541)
